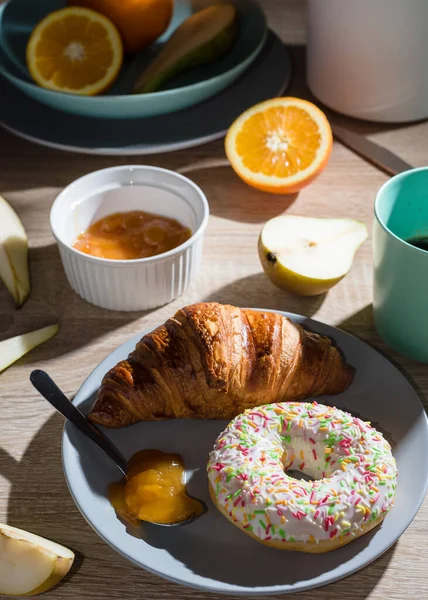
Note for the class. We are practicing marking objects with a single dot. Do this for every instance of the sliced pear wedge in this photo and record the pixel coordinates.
(29, 564)
(308, 256)
(13, 254)
(14, 348)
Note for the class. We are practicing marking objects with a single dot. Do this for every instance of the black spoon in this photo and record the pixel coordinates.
(51, 392)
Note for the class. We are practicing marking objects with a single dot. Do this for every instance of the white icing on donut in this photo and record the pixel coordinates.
(353, 469)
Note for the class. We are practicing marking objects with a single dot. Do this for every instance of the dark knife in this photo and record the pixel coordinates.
(377, 155)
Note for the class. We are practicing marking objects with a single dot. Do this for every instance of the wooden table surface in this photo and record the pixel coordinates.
(33, 493)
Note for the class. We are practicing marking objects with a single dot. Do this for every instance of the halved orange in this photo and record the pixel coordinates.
(280, 145)
(75, 50)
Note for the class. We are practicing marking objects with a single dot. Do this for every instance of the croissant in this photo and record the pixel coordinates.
(213, 361)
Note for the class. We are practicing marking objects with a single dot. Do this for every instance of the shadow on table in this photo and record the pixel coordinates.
(256, 291)
(52, 300)
(64, 167)
(229, 197)
(39, 500)
(361, 325)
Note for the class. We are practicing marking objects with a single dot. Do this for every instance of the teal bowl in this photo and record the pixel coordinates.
(19, 17)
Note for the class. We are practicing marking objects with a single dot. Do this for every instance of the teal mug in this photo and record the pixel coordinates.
(400, 295)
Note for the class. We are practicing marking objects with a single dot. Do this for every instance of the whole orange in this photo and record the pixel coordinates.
(140, 22)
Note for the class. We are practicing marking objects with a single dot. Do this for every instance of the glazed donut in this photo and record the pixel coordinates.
(353, 470)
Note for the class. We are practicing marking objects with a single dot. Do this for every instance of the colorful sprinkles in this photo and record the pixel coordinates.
(353, 470)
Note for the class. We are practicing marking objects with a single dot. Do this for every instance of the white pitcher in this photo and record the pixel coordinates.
(369, 58)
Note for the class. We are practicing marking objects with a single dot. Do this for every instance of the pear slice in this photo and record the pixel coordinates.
(308, 256)
(30, 564)
(202, 38)
(14, 348)
(13, 254)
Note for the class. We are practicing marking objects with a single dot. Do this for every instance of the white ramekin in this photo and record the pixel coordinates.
(130, 284)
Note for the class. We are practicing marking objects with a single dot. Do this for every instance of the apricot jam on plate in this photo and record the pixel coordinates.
(132, 235)
(154, 490)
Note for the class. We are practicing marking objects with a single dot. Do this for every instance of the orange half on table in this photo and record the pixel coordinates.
(75, 50)
(280, 145)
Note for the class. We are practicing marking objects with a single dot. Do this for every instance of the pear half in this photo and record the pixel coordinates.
(30, 564)
(14, 348)
(308, 256)
(13, 254)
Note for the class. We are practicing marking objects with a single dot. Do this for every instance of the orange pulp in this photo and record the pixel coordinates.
(75, 50)
(279, 145)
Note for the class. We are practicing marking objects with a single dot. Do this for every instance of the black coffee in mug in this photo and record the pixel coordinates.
(420, 242)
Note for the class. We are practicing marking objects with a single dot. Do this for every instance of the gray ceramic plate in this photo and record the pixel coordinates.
(211, 553)
(267, 77)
